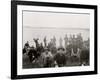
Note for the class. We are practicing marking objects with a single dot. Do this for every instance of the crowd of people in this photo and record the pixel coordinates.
(75, 52)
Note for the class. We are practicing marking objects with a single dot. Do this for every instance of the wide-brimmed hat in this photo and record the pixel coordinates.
(61, 48)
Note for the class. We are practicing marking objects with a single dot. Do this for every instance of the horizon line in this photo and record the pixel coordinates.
(56, 28)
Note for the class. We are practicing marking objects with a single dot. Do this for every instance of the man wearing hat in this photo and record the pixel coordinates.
(60, 57)
(47, 58)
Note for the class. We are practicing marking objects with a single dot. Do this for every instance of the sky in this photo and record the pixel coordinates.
(49, 24)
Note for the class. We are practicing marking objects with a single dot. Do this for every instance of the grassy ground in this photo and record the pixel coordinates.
(38, 63)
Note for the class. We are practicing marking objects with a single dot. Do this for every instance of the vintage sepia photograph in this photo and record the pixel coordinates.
(55, 39)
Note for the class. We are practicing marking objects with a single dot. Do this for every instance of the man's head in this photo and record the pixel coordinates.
(61, 49)
(46, 49)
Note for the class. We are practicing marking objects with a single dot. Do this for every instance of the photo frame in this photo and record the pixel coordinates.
(34, 21)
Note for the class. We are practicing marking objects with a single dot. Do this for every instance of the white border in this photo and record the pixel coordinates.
(21, 71)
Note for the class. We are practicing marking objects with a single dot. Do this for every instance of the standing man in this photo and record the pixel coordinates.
(45, 42)
(60, 42)
(66, 41)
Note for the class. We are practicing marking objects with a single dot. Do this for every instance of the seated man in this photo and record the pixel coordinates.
(60, 57)
(47, 58)
(26, 44)
(75, 55)
(84, 57)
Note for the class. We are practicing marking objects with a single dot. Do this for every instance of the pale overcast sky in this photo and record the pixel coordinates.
(41, 24)
(46, 19)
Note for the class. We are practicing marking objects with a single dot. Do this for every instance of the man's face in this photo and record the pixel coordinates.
(46, 51)
(60, 49)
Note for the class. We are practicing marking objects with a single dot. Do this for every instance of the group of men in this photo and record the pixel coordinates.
(50, 56)
(47, 59)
